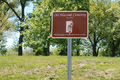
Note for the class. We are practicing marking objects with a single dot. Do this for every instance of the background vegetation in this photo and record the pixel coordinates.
(35, 27)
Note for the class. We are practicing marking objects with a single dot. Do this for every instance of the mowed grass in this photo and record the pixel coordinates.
(55, 68)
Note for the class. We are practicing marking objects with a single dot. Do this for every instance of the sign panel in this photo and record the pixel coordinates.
(70, 24)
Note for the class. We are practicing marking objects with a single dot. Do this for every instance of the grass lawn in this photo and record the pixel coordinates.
(55, 68)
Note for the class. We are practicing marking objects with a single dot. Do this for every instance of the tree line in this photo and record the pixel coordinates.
(35, 27)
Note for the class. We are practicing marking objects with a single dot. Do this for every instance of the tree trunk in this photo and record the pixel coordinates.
(20, 45)
(94, 50)
(77, 52)
(113, 49)
(21, 31)
(48, 46)
(94, 45)
(22, 2)
(113, 52)
(98, 51)
(78, 42)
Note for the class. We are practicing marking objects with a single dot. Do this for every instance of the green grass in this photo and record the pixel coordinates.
(55, 68)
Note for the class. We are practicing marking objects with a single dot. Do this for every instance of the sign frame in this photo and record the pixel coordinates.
(70, 12)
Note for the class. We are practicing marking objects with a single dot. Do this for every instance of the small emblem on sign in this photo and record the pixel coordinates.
(69, 26)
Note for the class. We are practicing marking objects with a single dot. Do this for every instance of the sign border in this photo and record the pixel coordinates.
(69, 37)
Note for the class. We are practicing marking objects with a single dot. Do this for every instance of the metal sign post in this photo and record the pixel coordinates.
(69, 53)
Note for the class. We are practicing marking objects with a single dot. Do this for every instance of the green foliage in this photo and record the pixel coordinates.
(102, 29)
(113, 39)
(38, 34)
(39, 24)
(13, 4)
(5, 25)
(39, 51)
(63, 52)
(28, 52)
(3, 48)
(55, 51)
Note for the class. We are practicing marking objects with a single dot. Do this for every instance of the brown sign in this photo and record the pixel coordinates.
(70, 24)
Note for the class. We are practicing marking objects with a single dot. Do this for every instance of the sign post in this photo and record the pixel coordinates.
(69, 24)
(69, 53)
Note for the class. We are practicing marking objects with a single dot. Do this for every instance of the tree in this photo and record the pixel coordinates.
(81, 5)
(87, 48)
(3, 49)
(41, 20)
(98, 23)
(12, 5)
(5, 24)
(113, 38)
(71, 5)
(38, 34)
